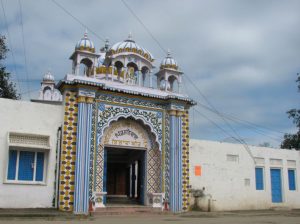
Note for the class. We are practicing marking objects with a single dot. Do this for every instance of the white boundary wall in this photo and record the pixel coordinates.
(28, 118)
(228, 176)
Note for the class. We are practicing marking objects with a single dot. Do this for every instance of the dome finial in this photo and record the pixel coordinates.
(106, 46)
(130, 36)
(169, 53)
(85, 33)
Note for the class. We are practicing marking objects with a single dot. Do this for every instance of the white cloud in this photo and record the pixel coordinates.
(242, 55)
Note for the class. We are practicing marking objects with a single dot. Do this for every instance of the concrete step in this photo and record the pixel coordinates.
(281, 208)
(127, 210)
(121, 200)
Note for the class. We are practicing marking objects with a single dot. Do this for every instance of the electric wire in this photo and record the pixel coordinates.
(231, 117)
(10, 46)
(248, 125)
(24, 46)
(207, 101)
(203, 96)
(30, 91)
(144, 26)
(78, 20)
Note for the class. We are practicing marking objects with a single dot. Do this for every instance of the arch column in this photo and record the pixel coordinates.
(112, 72)
(82, 162)
(166, 84)
(77, 66)
(175, 160)
(140, 77)
(150, 77)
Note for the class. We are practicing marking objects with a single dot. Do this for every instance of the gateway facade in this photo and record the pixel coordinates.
(121, 132)
(121, 136)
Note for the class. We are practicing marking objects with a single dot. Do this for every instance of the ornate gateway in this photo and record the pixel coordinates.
(121, 139)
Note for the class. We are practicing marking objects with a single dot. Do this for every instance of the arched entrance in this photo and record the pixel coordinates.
(131, 162)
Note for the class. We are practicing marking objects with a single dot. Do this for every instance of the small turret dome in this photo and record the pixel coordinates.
(169, 62)
(48, 77)
(85, 44)
(129, 46)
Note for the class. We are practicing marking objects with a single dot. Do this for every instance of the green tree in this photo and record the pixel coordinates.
(7, 88)
(292, 141)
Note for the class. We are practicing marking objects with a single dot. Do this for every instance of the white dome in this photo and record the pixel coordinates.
(169, 62)
(129, 46)
(85, 44)
(48, 77)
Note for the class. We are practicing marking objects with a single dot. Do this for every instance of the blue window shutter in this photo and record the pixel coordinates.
(292, 183)
(12, 162)
(26, 165)
(259, 178)
(39, 173)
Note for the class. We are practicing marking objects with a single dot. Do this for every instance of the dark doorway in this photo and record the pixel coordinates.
(125, 175)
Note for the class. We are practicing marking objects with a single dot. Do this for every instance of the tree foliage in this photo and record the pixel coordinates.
(7, 88)
(292, 141)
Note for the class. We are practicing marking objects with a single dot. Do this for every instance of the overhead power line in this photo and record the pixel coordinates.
(10, 46)
(241, 141)
(158, 43)
(24, 46)
(31, 91)
(240, 121)
(251, 126)
(144, 26)
(77, 20)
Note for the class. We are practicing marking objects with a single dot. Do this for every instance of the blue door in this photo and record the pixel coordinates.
(276, 185)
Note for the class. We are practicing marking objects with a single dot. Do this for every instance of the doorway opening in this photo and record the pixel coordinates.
(124, 172)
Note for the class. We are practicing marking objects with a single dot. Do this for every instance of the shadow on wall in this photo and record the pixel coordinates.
(200, 201)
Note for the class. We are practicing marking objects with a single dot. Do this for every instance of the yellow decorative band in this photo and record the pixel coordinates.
(179, 113)
(82, 48)
(172, 112)
(169, 66)
(89, 100)
(81, 99)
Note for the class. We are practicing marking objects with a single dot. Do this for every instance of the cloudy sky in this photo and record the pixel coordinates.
(243, 56)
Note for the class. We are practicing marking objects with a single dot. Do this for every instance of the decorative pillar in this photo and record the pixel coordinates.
(133, 179)
(150, 77)
(125, 75)
(130, 182)
(94, 67)
(104, 176)
(175, 161)
(112, 72)
(106, 72)
(140, 78)
(82, 162)
(179, 87)
(166, 83)
(136, 178)
(77, 68)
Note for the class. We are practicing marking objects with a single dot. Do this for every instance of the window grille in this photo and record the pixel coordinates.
(29, 140)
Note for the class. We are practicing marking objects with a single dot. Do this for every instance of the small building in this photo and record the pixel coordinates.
(29, 140)
(234, 177)
(118, 131)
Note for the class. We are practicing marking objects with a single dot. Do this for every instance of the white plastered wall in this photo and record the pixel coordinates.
(30, 118)
(224, 181)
